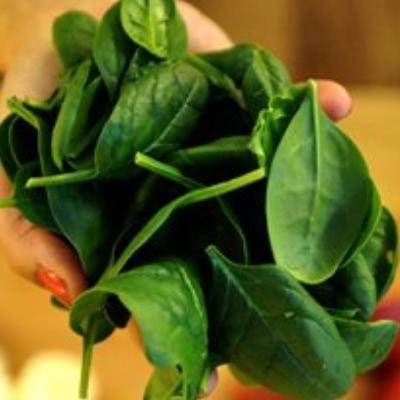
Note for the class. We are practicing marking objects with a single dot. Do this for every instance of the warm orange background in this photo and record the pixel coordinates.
(365, 54)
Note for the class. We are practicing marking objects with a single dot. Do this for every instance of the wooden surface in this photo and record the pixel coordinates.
(354, 41)
(28, 324)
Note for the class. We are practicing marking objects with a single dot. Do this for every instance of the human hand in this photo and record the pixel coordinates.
(31, 251)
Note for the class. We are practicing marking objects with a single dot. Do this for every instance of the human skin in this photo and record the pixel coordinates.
(38, 255)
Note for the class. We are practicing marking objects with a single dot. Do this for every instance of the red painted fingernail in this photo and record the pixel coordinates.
(50, 281)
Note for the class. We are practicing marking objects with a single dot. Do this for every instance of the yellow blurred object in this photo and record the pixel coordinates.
(52, 375)
(5, 380)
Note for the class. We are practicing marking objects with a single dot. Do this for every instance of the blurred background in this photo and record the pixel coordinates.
(352, 41)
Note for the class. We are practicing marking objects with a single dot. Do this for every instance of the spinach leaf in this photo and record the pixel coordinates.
(369, 343)
(259, 74)
(210, 227)
(153, 115)
(112, 49)
(155, 25)
(95, 303)
(217, 160)
(318, 195)
(33, 202)
(164, 384)
(74, 112)
(217, 77)
(7, 160)
(268, 325)
(73, 34)
(352, 287)
(371, 221)
(381, 252)
(79, 211)
(140, 64)
(171, 317)
(272, 123)
(365, 279)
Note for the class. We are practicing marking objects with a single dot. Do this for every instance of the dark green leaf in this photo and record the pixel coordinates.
(259, 74)
(371, 221)
(33, 202)
(72, 119)
(88, 305)
(381, 252)
(7, 160)
(268, 325)
(112, 49)
(352, 287)
(153, 115)
(73, 35)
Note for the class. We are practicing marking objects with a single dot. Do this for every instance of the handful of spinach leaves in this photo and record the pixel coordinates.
(210, 199)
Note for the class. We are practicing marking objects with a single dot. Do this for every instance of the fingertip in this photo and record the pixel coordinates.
(212, 384)
(65, 278)
(335, 99)
(204, 33)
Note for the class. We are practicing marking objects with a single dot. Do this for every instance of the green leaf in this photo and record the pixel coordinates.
(8, 162)
(72, 121)
(367, 277)
(318, 195)
(371, 222)
(112, 49)
(258, 73)
(369, 343)
(153, 114)
(176, 237)
(381, 252)
(217, 160)
(155, 25)
(171, 316)
(352, 287)
(73, 34)
(272, 123)
(86, 306)
(217, 77)
(80, 212)
(33, 202)
(267, 324)
(164, 384)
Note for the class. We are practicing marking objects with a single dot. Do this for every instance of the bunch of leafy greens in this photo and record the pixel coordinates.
(210, 199)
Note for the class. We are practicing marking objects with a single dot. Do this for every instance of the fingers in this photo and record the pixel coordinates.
(204, 33)
(335, 99)
(36, 254)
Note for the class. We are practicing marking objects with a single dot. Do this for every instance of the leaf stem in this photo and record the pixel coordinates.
(193, 197)
(87, 355)
(6, 203)
(165, 170)
(62, 179)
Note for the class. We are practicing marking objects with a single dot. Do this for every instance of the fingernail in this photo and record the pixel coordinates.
(212, 385)
(53, 283)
